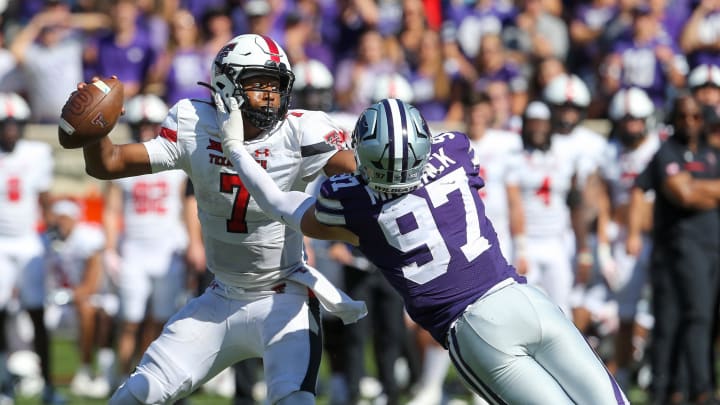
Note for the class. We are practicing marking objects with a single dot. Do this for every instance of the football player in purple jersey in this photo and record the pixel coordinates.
(413, 209)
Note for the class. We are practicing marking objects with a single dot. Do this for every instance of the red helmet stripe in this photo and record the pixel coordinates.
(274, 49)
(569, 90)
(627, 102)
(9, 107)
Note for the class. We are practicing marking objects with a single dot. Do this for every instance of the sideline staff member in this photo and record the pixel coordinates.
(686, 238)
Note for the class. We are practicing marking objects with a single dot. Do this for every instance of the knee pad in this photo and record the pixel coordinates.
(297, 398)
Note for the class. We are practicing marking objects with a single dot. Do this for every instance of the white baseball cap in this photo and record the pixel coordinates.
(537, 110)
(67, 208)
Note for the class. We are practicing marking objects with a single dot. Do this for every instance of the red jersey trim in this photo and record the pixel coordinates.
(168, 134)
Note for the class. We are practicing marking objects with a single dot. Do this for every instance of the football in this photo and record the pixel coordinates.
(90, 113)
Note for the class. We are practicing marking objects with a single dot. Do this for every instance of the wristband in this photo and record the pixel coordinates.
(585, 258)
(520, 245)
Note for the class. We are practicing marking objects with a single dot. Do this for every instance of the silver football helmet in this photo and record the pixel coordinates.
(392, 144)
(251, 55)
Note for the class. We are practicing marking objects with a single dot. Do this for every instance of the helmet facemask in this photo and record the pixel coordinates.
(11, 131)
(261, 116)
(631, 130)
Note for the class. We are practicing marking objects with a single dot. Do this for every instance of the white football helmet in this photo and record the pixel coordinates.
(704, 75)
(392, 143)
(312, 73)
(392, 85)
(13, 106)
(251, 55)
(567, 90)
(631, 102)
(313, 88)
(145, 108)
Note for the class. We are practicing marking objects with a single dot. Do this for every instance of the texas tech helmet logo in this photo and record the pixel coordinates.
(225, 51)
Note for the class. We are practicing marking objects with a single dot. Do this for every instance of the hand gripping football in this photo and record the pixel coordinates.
(90, 113)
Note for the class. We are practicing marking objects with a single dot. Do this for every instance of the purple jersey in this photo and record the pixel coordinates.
(130, 62)
(424, 98)
(434, 245)
(642, 69)
(187, 67)
(508, 73)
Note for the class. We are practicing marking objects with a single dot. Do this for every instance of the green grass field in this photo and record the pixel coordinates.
(65, 361)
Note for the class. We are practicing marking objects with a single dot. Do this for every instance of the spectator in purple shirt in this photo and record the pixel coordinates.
(355, 77)
(647, 58)
(429, 80)
(587, 25)
(468, 23)
(302, 39)
(217, 30)
(492, 65)
(184, 63)
(700, 38)
(127, 51)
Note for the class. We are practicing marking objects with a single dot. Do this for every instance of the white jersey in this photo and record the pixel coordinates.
(244, 246)
(545, 178)
(152, 208)
(346, 121)
(498, 154)
(584, 146)
(67, 258)
(621, 166)
(24, 174)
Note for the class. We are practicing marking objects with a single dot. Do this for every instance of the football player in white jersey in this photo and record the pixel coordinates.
(260, 303)
(412, 207)
(74, 258)
(498, 152)
(632, 145)
(568, 97)
(150, 277)
(26, 174)
(545, 178)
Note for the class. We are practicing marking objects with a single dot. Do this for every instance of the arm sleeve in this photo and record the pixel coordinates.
(286, 207)
(164, 150)
(320, 139)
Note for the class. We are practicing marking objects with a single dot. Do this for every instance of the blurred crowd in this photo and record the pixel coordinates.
(508, 73)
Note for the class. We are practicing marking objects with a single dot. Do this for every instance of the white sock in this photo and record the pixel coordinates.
(435, 366)
(106, 362)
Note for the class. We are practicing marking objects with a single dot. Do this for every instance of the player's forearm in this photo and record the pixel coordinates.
(100, 159)
(697, 194)
(287, 207)
(707, 187)
(635, 211)
(106, 161)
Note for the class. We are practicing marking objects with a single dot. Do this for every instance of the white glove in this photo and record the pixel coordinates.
(230, 121)
(608, 267)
